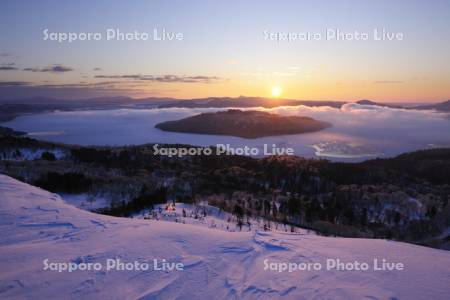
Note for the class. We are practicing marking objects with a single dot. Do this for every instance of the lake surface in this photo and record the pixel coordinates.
(359, 132)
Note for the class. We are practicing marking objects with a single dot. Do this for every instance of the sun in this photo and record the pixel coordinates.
(276, 91)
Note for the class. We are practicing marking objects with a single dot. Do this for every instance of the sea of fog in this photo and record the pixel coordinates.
(358, 133)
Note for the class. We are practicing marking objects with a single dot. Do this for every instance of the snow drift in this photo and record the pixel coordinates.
(38, 225)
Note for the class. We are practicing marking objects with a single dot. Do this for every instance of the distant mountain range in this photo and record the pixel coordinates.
(247, 102)
(369, 102)
(241, 101)
(9, 109)
(443, 106)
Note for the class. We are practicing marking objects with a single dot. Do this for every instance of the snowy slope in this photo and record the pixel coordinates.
(36, 225)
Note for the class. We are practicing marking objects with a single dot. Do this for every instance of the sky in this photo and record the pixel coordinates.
(228, 48)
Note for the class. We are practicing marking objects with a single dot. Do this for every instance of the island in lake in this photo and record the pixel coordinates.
(245, 124)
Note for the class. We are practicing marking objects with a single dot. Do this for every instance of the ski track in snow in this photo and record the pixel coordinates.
(36, 225)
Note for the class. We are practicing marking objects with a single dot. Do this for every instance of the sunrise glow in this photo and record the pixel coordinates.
(276, 91)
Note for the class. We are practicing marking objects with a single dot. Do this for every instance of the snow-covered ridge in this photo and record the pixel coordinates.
(37, 225)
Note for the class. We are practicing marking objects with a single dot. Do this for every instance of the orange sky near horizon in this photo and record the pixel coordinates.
(411, 91)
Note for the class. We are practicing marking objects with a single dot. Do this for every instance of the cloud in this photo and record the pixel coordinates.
(51, 69)
(61, 85)
(13, 83)
(165, 78)
(97, 69)
(7, 68)
(5, 54)
(387, 82)
(21, 89)
(379, 122)
(83, 84)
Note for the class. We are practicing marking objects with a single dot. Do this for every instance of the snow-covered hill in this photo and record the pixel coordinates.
(36, 225)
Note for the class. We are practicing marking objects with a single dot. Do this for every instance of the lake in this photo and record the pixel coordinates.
(359, 132)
